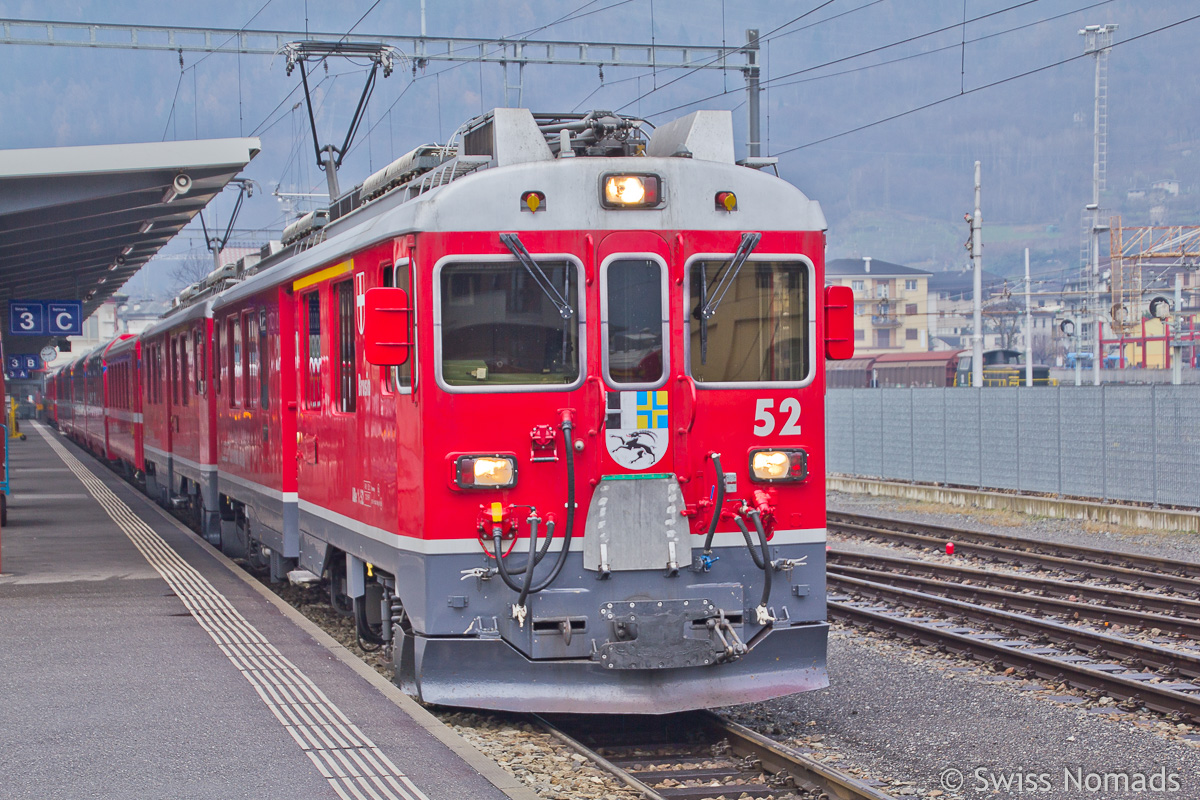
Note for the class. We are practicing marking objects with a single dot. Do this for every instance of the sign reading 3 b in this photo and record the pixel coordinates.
(45, 317)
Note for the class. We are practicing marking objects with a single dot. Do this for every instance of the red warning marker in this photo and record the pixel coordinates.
(949, 548)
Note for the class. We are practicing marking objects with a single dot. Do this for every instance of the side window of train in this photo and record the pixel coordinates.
(250, 370)
(401, 277)
(264, 382)
(347, 360)
(310, 306)
(174, 344)
(634, 321)
(235, 362)
(216, 353)
(400, 379)
(750, 326)
(185, 368)
(198, 355)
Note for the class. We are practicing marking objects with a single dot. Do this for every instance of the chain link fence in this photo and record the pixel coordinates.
(1133, 443)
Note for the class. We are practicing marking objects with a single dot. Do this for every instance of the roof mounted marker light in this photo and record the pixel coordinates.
(533, 202)
(638, 190)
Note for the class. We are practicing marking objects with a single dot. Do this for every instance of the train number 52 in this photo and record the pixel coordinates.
(765, 419)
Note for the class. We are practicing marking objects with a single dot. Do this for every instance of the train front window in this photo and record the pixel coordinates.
(499, 327)
(758, 328)
(634, 321)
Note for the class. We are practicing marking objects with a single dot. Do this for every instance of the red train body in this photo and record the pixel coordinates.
(625, 388)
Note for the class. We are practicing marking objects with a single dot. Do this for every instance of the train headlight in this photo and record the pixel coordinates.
(778, 466)
(486, 472)
(631, 191)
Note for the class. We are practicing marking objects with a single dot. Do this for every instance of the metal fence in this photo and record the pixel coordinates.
(1135, 443)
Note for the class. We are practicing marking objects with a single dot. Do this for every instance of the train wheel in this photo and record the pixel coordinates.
(341, 602)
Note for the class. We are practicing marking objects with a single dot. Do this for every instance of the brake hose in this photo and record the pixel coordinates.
(716, 517)
(535, 557)
(763, 560)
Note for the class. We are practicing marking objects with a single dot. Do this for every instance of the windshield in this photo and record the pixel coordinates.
(499, 327)
(759, 333)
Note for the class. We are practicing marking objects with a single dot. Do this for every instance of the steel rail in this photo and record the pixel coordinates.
(1164, 605)
(1065, 558)
(1156, 697)
(1096, 645)
(1096, 555)
(1024, 601)
(793, 771)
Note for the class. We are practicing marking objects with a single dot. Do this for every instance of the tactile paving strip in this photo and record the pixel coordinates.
(355, 768)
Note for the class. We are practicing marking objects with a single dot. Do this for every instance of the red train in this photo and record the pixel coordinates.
(544, 405)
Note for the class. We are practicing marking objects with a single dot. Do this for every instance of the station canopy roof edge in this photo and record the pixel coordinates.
(77, 222)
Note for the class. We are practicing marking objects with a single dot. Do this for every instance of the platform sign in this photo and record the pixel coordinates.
(42, 317)
(26, 317)
(18, 366)
(64, 318)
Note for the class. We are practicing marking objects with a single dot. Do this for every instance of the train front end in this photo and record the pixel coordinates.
(620, 372)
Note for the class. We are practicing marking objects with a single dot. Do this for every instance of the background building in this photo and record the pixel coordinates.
(890, 303)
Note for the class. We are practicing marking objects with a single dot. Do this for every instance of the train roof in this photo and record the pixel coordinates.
(479, 189)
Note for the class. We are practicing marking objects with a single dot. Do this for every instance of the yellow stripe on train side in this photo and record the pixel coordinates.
(323, 275)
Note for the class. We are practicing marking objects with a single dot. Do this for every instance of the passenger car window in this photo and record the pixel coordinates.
(347, 360)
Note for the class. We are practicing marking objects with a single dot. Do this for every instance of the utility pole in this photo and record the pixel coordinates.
(977, 313)
(754, 146)
(1028, 327)
(1098, 41)
(1177, 333)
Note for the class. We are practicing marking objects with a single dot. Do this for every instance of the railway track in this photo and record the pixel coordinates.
(700, 756)
(1086, 563)
(1139, 674)
(1065, 599)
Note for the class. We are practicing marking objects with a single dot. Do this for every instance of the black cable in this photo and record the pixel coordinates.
(779, 80)
(712, 526)
(758, 562)
(991, 85)
(533, 534)
(567, 426)
(541, 553)
(766, 565)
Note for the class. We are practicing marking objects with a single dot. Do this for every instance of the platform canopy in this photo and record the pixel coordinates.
(77, 222)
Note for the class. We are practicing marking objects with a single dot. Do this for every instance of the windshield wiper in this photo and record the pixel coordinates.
(517, 248)
(706, 308)
(749, 242)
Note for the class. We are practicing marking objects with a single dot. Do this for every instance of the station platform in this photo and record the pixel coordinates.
(137, 662)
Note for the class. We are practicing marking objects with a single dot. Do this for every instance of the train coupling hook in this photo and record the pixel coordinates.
(789, 564)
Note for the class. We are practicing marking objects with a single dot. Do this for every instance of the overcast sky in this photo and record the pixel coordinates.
(829, 68)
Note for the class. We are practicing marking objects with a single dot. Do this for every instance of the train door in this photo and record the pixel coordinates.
(328, 460)
(642, 404)
(644, 407)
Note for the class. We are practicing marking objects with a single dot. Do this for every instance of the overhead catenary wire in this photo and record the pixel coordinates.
(985, 86)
